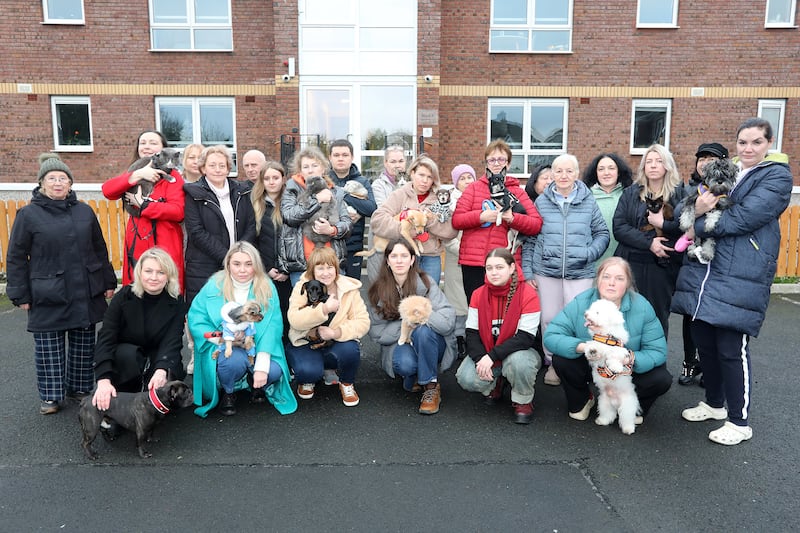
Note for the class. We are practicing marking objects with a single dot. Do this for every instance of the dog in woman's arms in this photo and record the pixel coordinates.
(328, 211)
(654, 205)
(167, 160)
(414, 312)
(356, 190)
(412, 229)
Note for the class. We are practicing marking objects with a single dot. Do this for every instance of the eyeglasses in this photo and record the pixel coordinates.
(56, 179)
(496, 161)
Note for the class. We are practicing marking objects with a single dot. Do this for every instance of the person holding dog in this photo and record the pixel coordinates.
(242, 279)
(567, 334)
(160, 214)
(432, 348)
(419, 195)
(324, 336)
(58, 271)
(728, 297)
(501, 327)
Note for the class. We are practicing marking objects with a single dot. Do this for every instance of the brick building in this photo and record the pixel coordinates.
(83, 78)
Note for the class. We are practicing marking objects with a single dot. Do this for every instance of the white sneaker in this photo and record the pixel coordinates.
(703, 411)
(305, 390)
(583, 414)
(331, 377)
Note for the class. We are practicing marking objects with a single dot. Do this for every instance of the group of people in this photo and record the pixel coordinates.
(521, 267)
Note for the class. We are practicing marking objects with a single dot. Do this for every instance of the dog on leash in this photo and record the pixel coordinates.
(167, 160)
(612, 366)
(719, 179)
(238, 327)
(414, 311)
(412, 228)
(328, 211)
(356, 190)
(135, 411)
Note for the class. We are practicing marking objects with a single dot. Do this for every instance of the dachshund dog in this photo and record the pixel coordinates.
(328, 211)
(166, 160)
(412, 228)
(316, 293)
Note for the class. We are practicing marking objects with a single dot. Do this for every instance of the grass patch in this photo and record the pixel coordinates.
(787, 279)
(5, 303)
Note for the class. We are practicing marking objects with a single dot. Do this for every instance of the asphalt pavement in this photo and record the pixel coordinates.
(380, 466)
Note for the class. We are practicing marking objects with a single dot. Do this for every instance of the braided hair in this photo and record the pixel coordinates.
(505, 255)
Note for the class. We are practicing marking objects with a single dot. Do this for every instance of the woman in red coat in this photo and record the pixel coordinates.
(160, 214)
(476, 214)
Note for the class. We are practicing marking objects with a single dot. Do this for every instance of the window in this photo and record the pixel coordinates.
(63, 11)
(72, 123)
(780, 13)
(196, 25)
(542, 26)
(650, 121)
(536, 130)
(657, 14)
(206, 121)
(773, 111)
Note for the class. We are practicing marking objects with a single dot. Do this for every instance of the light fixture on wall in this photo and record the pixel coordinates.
(289, 64)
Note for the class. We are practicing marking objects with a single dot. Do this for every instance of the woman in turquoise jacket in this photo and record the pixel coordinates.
(567, 334)
(243, 278)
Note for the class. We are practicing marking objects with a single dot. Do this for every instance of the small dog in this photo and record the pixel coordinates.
(328, 211)
(412, 228)
(315, 292)
(356, 190)
(606, 354)
(654, 205)
(442, 208)
(135, 411)
(500, 195)
(414, 311)
(238, 327)
(167, 160)
(401, 180)
(719, 179)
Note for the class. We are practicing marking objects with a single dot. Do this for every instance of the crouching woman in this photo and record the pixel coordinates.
(501, 327)
(242, 279)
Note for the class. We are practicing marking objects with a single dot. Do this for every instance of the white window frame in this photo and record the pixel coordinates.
(526, 151)
(195, 102)
(50, 20)
(531, 27)
(787, 24)
(635, 104)
(673, 24)
(191, 26)
(55, 101)
(777, 129)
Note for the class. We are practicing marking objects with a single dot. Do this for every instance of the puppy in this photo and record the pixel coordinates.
(357, 190)
(412, 228)
(167, 160)
(315, 291)
(238, 327)
(612, 376)
(442, 208)
(328, 211)
(138, 412)
(654, 205)
(414, 311)
(719, 179)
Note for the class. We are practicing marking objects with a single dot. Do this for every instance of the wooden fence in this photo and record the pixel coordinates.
(113, 218)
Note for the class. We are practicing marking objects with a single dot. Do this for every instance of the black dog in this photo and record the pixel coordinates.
(166, 160)
(316, 292)
(138, 412)
(500, 195)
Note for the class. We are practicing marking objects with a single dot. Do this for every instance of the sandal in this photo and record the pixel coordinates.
(730, 434)
(703, 411)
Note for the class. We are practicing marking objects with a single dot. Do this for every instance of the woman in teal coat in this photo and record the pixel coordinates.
(243, 278)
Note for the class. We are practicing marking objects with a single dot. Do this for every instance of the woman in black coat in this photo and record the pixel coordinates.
(58, 271)
(217, 214)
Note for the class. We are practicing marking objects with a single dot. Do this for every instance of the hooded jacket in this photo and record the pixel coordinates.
(365, 208)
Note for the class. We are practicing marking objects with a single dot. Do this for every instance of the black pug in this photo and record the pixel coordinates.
(167, 160)
(501, 196)
(719, 179)
(328, 211)
(135, 411)
(316, 293)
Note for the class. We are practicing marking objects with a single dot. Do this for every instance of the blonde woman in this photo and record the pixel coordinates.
(191, 155)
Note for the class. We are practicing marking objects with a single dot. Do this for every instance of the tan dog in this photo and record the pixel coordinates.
(412, 223)
(238, 327)
(414, 311)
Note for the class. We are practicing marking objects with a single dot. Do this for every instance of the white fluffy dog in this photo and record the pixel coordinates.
(606, 355)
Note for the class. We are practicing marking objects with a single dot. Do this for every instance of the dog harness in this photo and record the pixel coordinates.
(610, 340)
(701, 189)
(160, 407)
(422, 237)
(604, 372)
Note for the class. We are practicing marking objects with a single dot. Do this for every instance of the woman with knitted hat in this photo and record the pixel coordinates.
(59, 272)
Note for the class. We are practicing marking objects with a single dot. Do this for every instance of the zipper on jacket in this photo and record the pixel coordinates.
(702, 289)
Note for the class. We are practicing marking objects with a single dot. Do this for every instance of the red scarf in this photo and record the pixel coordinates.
(487, 305)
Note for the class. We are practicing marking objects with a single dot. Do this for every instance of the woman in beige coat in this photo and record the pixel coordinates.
(419, 194)
(324, 335)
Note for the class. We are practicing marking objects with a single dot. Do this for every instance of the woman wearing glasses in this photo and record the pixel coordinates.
(476, 215)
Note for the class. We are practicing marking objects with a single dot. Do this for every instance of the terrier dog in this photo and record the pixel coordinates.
(414, 311)
(238, 327)
(138, 412)
(612, 375)
(412, 228)
(719, 179)
(166, 160)
(654, 205)
(356, 190)
(328, 211)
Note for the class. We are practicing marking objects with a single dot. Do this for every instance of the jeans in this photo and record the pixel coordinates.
(294, 277)
(431, 265)
(308, 364)
(232, 369)
(519, 368)
(419, 359)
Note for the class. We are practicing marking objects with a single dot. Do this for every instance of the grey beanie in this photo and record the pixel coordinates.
(48, 162)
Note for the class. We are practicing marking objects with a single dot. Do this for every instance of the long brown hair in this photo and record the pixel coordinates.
(505, 255)
(384, 294)
(258, 196)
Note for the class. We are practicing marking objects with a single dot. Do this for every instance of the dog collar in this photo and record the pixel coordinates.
(604, 372)
(607, 339)
(160, 407)
(703, 189)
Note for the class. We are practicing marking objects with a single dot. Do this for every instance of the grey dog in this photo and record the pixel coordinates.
(167, 160)
(328, 211)
(135, 411)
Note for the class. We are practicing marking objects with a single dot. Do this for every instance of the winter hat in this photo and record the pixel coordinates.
(459, 170)
(49, 162)
(714, 149)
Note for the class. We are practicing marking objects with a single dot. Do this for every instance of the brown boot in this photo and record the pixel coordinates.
(431, 398)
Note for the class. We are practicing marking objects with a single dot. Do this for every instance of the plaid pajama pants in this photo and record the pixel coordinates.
(59, 371)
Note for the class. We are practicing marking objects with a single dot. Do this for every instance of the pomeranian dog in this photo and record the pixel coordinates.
(414, 311)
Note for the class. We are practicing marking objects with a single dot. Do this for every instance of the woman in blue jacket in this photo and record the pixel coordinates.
(728, 297)
(567, 335)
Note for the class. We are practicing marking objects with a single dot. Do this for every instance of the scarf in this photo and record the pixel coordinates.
(494, 298)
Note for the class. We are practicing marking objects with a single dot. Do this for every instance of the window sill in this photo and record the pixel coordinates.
(63, 23)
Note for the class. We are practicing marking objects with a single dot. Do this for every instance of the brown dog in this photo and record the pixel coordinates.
(414, 311)
(412, 224)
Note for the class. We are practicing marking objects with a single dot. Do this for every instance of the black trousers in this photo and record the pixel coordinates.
(473, 278)
(352, 267)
